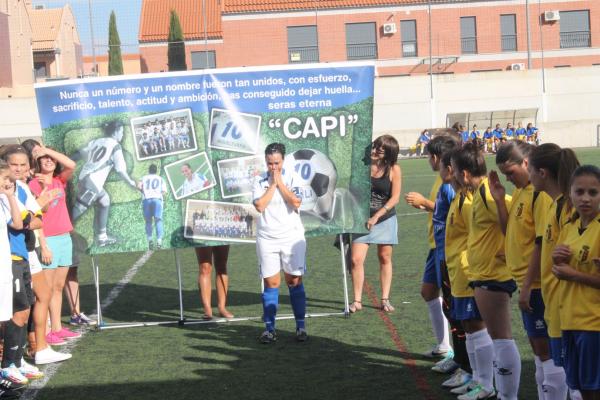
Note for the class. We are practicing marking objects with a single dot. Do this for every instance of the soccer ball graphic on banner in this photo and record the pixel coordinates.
(316, 179)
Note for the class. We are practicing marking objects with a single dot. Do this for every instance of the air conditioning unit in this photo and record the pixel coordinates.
(550, 16)
(389, 29)
(517, 66)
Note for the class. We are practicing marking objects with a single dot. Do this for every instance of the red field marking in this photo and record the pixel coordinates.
(419, 378)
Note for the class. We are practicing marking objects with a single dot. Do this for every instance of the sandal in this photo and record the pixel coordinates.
(386, 305)
(206, 317)
(225, 314)
(355, 306)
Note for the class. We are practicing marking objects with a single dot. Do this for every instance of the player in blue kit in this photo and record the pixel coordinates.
(153, 189)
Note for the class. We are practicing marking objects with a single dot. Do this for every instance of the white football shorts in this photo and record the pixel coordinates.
(288, 254)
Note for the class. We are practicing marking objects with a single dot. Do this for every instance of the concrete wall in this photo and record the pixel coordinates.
(568, 111)
(16, 59)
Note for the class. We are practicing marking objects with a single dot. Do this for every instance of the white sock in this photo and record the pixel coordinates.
(575, 394)
(439, 323)
(539, 377)
(470, 343)
(507, 368)
(555, 381)
(484, 356)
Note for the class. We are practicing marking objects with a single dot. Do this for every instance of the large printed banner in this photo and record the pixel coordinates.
(176, 154)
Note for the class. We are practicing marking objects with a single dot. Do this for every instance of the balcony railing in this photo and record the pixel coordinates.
(409, 48)
(468, 45)
(366, 51)
(575, 39)
(509, 42)
(307, 54)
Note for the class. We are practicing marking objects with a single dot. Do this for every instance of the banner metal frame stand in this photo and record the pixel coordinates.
(102, 325)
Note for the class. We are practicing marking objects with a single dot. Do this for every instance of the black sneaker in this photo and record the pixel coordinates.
(301, 335)
(7, 384)
(268, 337)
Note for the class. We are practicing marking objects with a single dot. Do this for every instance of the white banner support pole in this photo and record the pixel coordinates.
(343, 254)
(179, 285)
(96, 272)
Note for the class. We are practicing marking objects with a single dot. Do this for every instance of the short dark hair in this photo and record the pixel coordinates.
(275, 148)
(152, 168)
(110, 127)
(586, 170)
(470, 158)
(441, 144)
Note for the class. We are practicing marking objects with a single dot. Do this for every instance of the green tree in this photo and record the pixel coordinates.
(176, 52)
(115, 62)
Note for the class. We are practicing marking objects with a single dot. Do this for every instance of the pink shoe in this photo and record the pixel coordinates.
(64, 333)
(54, 339)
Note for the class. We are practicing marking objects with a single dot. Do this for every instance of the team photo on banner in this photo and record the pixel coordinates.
(169, 160)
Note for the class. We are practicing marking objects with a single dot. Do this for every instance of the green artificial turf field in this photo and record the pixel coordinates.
(369, 355)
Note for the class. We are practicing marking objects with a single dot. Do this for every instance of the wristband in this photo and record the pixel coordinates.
(385, 208)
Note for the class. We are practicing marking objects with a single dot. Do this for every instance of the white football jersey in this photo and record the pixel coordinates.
(153, 186)
(99, 160)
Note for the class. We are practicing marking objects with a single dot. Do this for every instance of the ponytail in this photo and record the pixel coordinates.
(568, 163)
(470, 158)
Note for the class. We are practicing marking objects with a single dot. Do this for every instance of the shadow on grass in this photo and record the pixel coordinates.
(227, 362)
(149, 303)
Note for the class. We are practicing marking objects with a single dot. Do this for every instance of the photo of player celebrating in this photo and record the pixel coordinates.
(100, 156)
(153, 188)
(190, 175)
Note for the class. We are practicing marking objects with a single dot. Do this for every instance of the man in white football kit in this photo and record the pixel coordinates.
(101, 156)
(193, 182)
(153, 188)
(280, 241)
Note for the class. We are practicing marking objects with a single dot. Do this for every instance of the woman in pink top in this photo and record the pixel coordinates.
(53, 170)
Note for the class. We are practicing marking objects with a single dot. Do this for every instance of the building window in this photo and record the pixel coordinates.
(40, 69)
(303, 44)
(508, 32)
(408, 32)
(575, 29)
(361, 41)
(204, 59)
(468, 35)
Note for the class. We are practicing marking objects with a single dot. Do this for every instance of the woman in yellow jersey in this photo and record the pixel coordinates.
(523, 225)
(577, 264)
(491, 279)
(550, 169)
(463, 307)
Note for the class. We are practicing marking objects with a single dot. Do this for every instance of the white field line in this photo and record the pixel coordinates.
(51, 369)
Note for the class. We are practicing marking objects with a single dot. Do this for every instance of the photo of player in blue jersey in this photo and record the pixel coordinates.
(153, 188)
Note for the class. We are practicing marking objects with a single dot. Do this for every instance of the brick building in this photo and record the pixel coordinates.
(36, 44)
(465, 36)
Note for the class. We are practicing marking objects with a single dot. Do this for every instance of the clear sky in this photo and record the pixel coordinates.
(128, 22)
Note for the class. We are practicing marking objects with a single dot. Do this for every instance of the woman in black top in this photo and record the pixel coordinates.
(386, 180)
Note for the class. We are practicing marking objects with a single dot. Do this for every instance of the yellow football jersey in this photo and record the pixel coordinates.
(525, 217)
(579, 303)
(556, 216)
(432, 195)
(457, 232)
(485, 245)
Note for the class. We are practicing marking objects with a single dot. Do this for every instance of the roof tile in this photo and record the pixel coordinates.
(45, 25)
(154, 21)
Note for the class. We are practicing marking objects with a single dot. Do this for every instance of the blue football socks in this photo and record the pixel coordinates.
(270, 300)
(298, 300)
